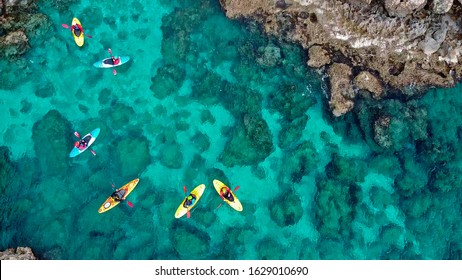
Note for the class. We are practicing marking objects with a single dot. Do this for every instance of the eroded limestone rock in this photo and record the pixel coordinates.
(369, 82)
(19, 253)
(342, 94)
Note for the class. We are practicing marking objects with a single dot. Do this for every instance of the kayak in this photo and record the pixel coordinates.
(111, 203)
(236, 204)
(107, 62)
(198, 191)
(79, 40)
(91, 136)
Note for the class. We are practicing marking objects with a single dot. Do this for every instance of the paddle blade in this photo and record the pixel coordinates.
(65, 25)
(110, 51)
(236, 188)
(77, 134)
(218, 206)
(112, 184)
(184, 189)
(130, 204)
(93, 152)
(188, 214)
(88, 36)
(114, 72)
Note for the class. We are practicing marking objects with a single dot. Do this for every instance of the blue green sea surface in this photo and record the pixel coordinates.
(204, 98)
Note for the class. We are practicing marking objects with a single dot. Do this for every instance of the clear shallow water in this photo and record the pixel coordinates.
(202, 99)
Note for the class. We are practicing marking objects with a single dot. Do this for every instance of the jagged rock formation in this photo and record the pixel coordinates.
(400, 42)
(366, 81)
(20, 253)
(18, 20)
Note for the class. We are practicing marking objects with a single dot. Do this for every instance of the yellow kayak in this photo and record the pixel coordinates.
(111, 203)
(198, 191)
(236, 204)
(79, 40)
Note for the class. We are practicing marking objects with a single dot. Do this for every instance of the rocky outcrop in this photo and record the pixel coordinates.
(342, 94)
(403, 42)
(367, 81)
(14, 43)
(19, 19)
(20, 253)
(381, 135)
(318, 57)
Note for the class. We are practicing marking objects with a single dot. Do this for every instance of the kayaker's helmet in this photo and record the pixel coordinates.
(190, 197)
(77, 144)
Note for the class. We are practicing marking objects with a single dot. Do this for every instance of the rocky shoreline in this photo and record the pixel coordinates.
(19, 19)
(19, 253)
(372, 46)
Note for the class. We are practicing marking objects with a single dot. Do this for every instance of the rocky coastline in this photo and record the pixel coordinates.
(19, 253)
(371, 47)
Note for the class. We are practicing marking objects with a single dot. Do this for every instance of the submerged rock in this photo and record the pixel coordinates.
(334, 208)
(300, 161)
(132, 156)
(183, 236)
(292, 132)
(270, 249)
(53, 133)
(251, 142)
(118, 115)
(269, 56)
(167, 81)
(291, 101)
(381, 134)
(393, 125)
(14, 43)
(286, 209)
(7, 168)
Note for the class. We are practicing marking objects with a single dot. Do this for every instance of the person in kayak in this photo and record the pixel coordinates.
(115, 61)
(118, 195)
(225, 193)
(77, 29)
(190, 199)
(81, 144)
(112, 60)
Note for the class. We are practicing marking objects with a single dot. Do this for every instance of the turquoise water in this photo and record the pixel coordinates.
(202, 100)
